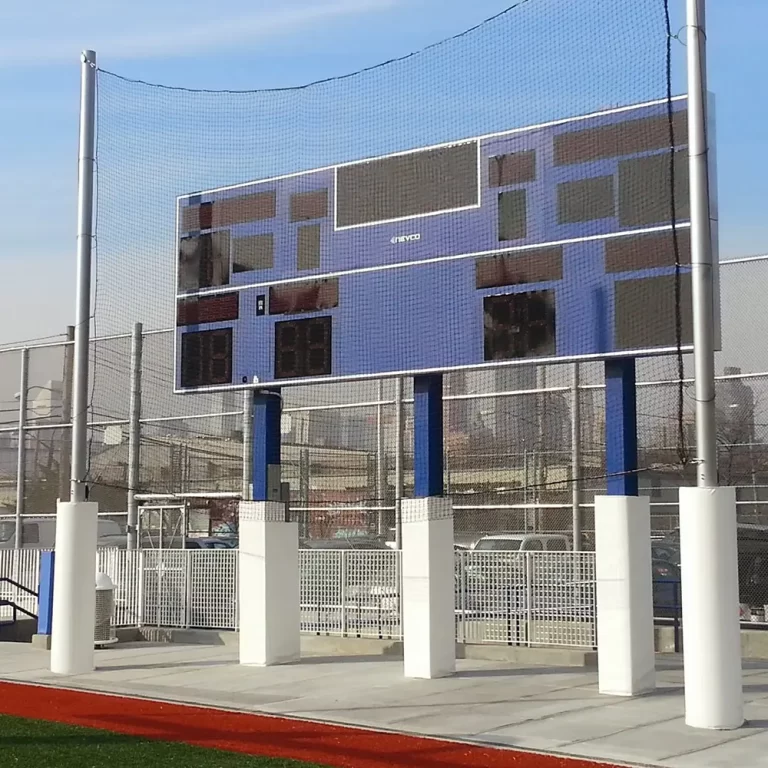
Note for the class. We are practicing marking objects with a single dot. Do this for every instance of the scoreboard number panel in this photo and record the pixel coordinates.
(519, 325)
(206, 358)
(543, 243)
(303, 348)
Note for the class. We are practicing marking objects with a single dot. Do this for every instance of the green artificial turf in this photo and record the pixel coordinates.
(38, 744)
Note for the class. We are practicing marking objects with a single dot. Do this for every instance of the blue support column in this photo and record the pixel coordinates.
(428, 435)
(45, 593)
(621, 427)
(266, 445)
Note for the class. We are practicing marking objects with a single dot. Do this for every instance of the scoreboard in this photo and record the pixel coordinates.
(536, 244)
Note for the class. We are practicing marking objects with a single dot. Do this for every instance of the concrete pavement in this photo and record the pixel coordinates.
(538, 708)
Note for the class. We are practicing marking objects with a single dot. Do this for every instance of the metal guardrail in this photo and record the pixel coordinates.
(16, 609)
(510, 598)
(534, 598)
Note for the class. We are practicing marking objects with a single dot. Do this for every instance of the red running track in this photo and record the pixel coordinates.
(263, 735)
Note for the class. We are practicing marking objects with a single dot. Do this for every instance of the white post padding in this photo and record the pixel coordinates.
(710, 596)
(429, 629)
(74, 588)
(625, 635)
(269, 601)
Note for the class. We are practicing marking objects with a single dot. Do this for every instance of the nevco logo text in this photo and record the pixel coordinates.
(405, 239)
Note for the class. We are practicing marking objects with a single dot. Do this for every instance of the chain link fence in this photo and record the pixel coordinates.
(509, 451)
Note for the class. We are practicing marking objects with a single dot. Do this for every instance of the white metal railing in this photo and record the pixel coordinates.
(511, 598)
(125, 568)
(351, 593)
(526, 598)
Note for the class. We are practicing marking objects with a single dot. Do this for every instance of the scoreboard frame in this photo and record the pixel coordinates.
(198, 301)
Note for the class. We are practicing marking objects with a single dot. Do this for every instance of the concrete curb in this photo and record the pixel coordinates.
(321, 645)
(754, 645)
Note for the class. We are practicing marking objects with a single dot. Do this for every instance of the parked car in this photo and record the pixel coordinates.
(208, 543)
(522, 542)
(666, 551)
(752, 542)
(40, 533)
(356, 542)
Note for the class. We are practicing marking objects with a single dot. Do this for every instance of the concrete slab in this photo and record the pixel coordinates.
(531, 707)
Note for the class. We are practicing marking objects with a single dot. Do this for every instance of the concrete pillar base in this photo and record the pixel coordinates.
(625, 635)
(268, 585)
(74, 588)
(429, 631)
(710, 590)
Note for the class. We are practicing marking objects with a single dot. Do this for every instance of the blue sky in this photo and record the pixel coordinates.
(265, 43)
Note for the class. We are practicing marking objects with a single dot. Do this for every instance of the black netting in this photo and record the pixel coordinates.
(548, 261)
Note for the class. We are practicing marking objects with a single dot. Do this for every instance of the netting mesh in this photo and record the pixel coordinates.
(540, 61)
(508, 431)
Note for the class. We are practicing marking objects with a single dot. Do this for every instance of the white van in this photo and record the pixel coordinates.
(522, 542)
(40, 533)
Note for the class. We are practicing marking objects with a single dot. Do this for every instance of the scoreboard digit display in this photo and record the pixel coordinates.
(206, 358)
(303, 348)
(535, 244)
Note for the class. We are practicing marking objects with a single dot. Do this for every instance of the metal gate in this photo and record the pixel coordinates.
(163, 527)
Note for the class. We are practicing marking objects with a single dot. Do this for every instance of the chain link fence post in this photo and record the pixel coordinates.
(247, 443)
(134, 435)
(576, 468)
(21, 457)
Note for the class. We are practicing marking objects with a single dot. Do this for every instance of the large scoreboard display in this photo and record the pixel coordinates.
(540, 243)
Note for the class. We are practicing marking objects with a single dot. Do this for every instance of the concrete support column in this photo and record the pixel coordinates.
(625, 634)
(429, 630)
(625, 641)
(74, 588)
(268, 585)
(710, 587)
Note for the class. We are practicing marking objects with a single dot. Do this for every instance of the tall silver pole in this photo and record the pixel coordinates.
(66, 416)
(399, 461)
(576, 469)
(709, 569)
(86, 163)
(134, 435)
(21, 458)
(381, 458)
(701, 249)
(77, 520)
(248, 444)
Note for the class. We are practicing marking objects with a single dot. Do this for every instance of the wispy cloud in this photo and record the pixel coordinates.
(143, 30)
